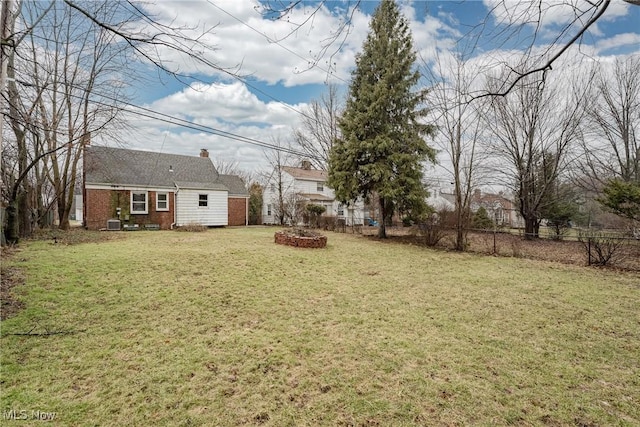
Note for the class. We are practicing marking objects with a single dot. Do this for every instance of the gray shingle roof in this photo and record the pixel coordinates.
(235, 185)
(117, 166)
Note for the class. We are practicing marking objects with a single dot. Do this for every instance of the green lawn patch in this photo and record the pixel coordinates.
(227, 328)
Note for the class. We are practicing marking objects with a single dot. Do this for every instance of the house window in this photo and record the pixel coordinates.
(139, 202)
(499, 216)
(162, 201)
(340, 209)
(320, 186)
(273, 187)
(203, 200)
(269, 210)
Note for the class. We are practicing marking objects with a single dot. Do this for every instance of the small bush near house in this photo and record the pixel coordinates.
(193, 227)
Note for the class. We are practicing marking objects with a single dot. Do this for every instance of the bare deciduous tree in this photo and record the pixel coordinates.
(277, 185)
(67, 66)
(523, 23)
(531, 132)
(458, 132)
(64, 84)
(611, 143)
(233, 168)
(319, 128)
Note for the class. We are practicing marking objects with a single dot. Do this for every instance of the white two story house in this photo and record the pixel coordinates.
(300, 186)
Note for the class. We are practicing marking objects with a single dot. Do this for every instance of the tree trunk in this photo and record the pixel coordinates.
(24, 213)
(63, 213)
(11, 232)
(460, 237)
(531, 228)
(382, 226)
(461, 223)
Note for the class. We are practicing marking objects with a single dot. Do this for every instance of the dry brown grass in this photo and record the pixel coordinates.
(512, 245)
(227, 328)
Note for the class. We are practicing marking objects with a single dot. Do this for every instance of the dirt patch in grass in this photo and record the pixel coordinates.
(10, 277)
(75, 235)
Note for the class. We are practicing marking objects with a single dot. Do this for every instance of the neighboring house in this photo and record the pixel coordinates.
(301, 186)
(158, 189)
(440, 201)
(500, 209)
(77, 208)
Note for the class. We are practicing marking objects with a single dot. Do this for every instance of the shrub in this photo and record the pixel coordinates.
(601, 248)
(431, 230)
(192, 227)
(329, 223)
(481, 219)
(312, 214)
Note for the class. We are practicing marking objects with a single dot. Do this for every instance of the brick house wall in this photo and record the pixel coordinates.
(100, 206)
(237, 210)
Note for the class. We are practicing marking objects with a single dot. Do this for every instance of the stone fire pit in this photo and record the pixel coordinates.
(300, 238)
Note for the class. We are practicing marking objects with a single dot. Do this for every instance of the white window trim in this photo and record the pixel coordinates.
(320, 186)
(269, 212)
(159, 209)
(207, 205)
(146, 203)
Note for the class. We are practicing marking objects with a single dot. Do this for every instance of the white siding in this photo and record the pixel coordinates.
(270, 197)
(79, 209)
(290, 185)
(311, 187)
(188, 211)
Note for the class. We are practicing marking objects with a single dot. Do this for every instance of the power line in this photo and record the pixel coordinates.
(179, 46)
(169, 119)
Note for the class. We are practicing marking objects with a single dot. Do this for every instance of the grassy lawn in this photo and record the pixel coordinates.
(226, 328)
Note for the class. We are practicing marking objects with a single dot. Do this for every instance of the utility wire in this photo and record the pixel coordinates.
(166, 118)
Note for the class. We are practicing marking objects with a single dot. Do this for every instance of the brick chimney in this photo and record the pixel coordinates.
(204, 152)
(306, 165)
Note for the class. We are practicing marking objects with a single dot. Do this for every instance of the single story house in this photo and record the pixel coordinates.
(150, 189)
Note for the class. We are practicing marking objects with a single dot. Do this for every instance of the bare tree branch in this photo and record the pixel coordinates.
(547, 66)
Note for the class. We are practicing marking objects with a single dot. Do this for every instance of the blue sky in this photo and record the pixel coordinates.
(279, 81)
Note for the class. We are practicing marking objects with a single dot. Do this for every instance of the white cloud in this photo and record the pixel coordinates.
(230, 106)
(221, 107)
(549, 13)
(272, 51)
(618, 41)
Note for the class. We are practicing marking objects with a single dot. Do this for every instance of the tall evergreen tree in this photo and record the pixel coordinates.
(379, 156)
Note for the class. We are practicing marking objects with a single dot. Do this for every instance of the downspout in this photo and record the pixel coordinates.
(84, 187)
(246, 214)
(175, 208)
